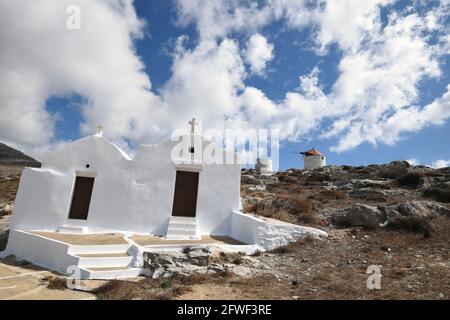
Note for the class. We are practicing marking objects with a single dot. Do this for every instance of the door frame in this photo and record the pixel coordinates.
(85, 174)
(188, 168)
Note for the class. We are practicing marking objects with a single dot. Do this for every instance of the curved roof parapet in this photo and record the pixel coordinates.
(84, 145)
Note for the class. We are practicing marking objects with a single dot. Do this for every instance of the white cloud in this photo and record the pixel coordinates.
(440, 163)
(413, 162)
(205, 83)
(348, 23)
(374, 99)
(41, 58)
(258, 53)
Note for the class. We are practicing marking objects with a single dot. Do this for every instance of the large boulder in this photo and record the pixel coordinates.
(411, 224)
(393, 170)
(422, 209)
(196, 260)
(415, 208)
(358, 215)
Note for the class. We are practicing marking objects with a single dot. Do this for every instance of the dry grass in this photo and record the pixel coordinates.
(157, 289)
(179, 291)
(412, 180)
(8, 188)
(55, 283)
(286, 207)
(438, 194)
(411, 224)
(293, 246)
(326, 195)
(257, 253)
(250, 208)
(412, 267)
(231, 257)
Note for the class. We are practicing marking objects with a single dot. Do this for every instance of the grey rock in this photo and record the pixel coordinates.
(248, 179)
(393, 170)
(368, 194)
(422, 209)
(358, 215)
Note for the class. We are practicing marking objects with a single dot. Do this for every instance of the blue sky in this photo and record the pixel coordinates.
(302, 41)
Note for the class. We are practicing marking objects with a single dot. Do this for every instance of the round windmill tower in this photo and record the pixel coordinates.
(313, 159)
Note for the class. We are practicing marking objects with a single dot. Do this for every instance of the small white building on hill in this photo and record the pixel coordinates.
(313, 159)
(92, 210)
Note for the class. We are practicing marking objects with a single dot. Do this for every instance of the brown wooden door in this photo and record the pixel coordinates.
(185, 197)
(81, 198)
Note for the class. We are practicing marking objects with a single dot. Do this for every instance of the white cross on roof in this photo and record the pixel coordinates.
(99, 130)
(193, 123)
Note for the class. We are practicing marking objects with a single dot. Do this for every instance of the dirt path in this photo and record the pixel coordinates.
(27, 282)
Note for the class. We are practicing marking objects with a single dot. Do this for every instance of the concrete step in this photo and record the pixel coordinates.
(182, 228)
(104, 260)
(178, 225)
(183, 219)
(72, 229)
(98, 249)
(110, 272)
(181, 231)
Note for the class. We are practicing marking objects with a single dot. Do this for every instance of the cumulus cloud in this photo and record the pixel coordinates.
(440, 163)
(258, 53)
(413, 162)
(41, 58)
(374, 98)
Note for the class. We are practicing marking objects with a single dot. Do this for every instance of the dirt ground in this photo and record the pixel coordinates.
(412, 267)
(28, 282)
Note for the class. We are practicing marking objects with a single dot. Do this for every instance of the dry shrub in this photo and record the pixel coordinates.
(231, 257)
(4, 240)
(238, 260)
(119, 290)
(438, 194)
(411, 179)
(8, 189)
(180, 290)
(192, 279)
(166, 284)
(226, 274)
(410, 224)
(289, 208)
(55, 283)
(329, 195)
(257, 253)
(250, 208)
(287, 179)
(293, 246)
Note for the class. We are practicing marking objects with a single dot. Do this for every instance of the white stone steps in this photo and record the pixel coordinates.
(98, 249)
(182, 231)
(110, 272)
(187, 226)
(183, 219)
(104, 261)
(182, 228)
(72, 229)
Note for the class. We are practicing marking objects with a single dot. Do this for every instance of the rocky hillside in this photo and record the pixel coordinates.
(392, 196)
(12, 161)
(13, 157)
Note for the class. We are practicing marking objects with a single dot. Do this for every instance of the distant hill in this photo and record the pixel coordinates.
(14, 157)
